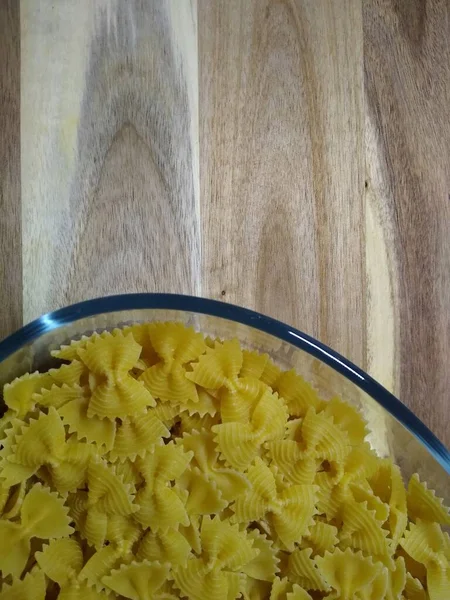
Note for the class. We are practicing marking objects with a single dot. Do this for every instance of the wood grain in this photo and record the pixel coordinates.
(408, 162)
(109, 150)
(10, 212)
(282, 162)
(287, 155)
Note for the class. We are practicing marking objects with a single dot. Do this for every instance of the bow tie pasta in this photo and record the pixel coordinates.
(156, 463)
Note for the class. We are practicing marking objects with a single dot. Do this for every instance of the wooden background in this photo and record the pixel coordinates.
(291, 156)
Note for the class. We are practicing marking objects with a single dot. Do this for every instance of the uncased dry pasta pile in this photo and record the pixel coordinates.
(155, 463)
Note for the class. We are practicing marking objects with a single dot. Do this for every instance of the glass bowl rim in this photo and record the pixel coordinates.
(245, 316)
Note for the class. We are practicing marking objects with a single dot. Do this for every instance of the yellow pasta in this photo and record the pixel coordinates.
(57, 396)
(13, 500)
(189, 423)
(414, 590)
(348, 418)
(42, 442)
(31, 587)
(270, 374)
(376, 589)
(107, 496)
(70, 351)
(141, 333)
(70, 374)
(322, 438)
(361, 464)
(240, 443)
(253, 364)
(128, 472)
(289, 509)
(203, 497)
(283, 589)
(396, 580)
(119, 395)
(218, 574)
(62, 562)
(427, 544)
(176, 347)
(102, 562)
(156, 464)
(4, 495)
(295, 465)
(160, 506)
(137, 580)
(422, 503)
(230, 482)
(205, 405)
(297, 392)
(93, 430)
(362, 492)
(387, 483)
(136, 435)
(220, 369)
(255, 589)
(18, 395)
(362, 531)
(43, 515)
(348, 481)
(303, 569)
(167, 413)
(265, 564)
(348, 573)
(322, 537)
(123, 530)
(6, 422)
(169, 546)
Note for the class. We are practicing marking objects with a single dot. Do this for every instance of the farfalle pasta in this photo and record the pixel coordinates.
(240, 442)
(42, 515)
(217, 573)
(176, 346)
(115, 393)
(155, 463)
(287, 509)
(62, 562)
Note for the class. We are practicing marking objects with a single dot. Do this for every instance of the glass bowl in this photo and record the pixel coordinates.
(395, 430)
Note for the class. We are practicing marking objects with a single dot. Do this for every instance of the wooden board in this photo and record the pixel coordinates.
(291, 156)
(282, 162)
(110, 200)
(408, 202)
(10, 214)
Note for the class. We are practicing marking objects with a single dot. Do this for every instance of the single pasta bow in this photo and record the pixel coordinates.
(42, 442)
(176, 346)
(160, 504)
(222, 369)
(290, 509)
(239, 443)
(107, 496)
(116, 394)
(218, 573)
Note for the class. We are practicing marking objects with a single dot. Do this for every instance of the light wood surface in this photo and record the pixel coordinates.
(407, 92)
(291, 156)
(110, 184)
(282, 162)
